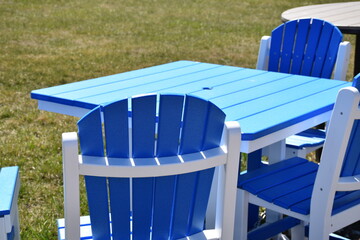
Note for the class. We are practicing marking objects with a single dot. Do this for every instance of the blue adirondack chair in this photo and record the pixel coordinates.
(148, 164)
(9, 192)
(324, 196)
(309, 47)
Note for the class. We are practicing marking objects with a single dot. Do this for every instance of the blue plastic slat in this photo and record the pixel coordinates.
(287, 187)
(142, 202)
(356, 82)
(116, 124)
(277, 98)
(170, 114)
(274, 228)
(195, 114)
(91, 143)
(303, 205)
(288, 46)
(269, 169)
(309, 138)
(279, 177)
(300, 45)
(184, 197)
(157, 83)
(145, 81)
(125, 76)
(120, 208)
(291, 200)
(97, 194)
(90, 134)
(163, 207)
(214, 127)
(321, 52)
(346, 201)
(203, 186)
(8, 180)
(143, 126)
(331, 54)
(223, 95)
(311, 47)
(351, 163)
(274, 116)
(117, 146)
(275, 48)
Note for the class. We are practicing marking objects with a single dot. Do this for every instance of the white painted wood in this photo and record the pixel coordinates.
(62, 108)
(230, 184)
(241, 218)
(71, 185)
(110, 167)
(342, 61)
(2, 229)
(263, 56)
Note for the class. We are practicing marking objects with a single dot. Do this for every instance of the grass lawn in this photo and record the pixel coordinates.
(46, 42)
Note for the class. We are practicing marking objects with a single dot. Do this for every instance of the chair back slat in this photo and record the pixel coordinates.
(143, 126)
(321, 50)
(116, 120)
(311, 46)
(163, 206)
(300, 46)
(201, 196)
(195, 113)
(170, 113)
(275, 48)
(287, 48)
(116, 123)
(214, 127)
(351, 165)
(185, 185)
(120, 213)
(305, 46)
(91, 144)
(327, 53)
(161, 126)
(90, 134)
(97, 195)
(142, 202)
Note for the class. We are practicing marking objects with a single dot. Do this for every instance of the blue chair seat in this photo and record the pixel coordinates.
(289, 184)
(308, 138)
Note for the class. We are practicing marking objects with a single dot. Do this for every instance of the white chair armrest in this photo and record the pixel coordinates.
(263, 56)
(342, 61)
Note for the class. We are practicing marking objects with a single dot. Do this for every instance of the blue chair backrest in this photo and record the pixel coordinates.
(351, 165)
(306, 47)
(160, 125)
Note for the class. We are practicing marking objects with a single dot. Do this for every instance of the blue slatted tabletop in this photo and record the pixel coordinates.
(270, 106)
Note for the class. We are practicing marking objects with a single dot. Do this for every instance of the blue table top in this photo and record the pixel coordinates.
(263, 102)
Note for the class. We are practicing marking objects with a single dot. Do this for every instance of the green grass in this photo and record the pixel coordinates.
(46, 42)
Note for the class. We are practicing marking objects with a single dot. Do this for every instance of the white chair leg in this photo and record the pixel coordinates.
(298, 232)
(16, 224)
(291, 152)
(241, 215)
(2, 229)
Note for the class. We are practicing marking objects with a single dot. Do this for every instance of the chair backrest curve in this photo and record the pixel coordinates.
(151, 126)
(306, 47)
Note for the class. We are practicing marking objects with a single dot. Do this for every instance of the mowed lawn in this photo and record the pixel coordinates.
(50, 42)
